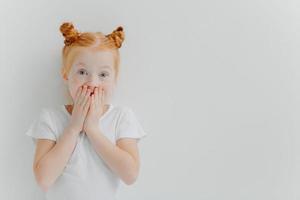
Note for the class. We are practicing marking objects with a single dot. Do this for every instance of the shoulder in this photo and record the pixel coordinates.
(43, 113)
(126, 114)
(54, 114)
(122, 110)
(51, 111)
(43, 126)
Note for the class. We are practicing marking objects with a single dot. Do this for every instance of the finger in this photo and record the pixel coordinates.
(87, 105)
(77, 94)
(84, 91)
(87, 90)
(82, 95)
(93, 101)
(86, 97)
(95, 98)
(78, 91)
(96, 95)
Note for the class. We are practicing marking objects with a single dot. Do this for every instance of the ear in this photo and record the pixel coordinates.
(65, 79)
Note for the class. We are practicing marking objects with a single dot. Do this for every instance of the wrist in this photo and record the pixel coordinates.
(91, 130)
(72, 130)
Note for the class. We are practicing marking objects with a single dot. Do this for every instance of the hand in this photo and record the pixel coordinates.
(95, 111)
(80, 108)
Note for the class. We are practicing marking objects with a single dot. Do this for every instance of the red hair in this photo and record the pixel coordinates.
(74, 41)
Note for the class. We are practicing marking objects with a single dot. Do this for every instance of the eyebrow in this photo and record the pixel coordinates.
(105, 66)
(82, 64)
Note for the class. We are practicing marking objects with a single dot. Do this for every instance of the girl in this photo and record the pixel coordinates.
(83, 150)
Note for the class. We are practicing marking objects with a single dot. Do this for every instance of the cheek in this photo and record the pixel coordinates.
(108, 89)
(74, 85)
(107, 86)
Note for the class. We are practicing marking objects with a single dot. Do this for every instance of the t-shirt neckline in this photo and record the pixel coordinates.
(110, 106)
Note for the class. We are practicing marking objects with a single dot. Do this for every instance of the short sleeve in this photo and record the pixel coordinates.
(129, 126)
(41, 127)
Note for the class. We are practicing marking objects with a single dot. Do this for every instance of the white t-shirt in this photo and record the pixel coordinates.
(86, 175)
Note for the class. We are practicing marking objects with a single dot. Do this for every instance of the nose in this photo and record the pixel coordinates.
(93, 81)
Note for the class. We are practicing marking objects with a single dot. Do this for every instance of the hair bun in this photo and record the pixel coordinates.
(117, 36)
(69, 32)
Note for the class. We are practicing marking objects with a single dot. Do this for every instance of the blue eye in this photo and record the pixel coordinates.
(81, 72)
(103, 75)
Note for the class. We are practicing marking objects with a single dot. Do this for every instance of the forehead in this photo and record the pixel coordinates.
(92, 58)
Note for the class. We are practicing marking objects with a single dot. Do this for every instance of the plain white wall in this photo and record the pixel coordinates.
(216, 84)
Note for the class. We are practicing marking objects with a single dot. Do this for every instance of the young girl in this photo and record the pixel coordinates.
(85, 149)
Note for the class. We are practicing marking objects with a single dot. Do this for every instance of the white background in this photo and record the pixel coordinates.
(214, 83)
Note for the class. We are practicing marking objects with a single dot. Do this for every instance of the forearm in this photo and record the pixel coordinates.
(53, 163)
(120, 161)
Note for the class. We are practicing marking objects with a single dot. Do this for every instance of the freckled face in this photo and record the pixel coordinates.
(94, 69)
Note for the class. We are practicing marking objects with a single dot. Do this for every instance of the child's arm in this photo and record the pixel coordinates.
(51, 157)
(122, 158)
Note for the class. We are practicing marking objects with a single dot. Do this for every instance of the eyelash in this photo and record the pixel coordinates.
(83, 72)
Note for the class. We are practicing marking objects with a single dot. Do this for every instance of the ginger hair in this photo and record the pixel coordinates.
(75, 40)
